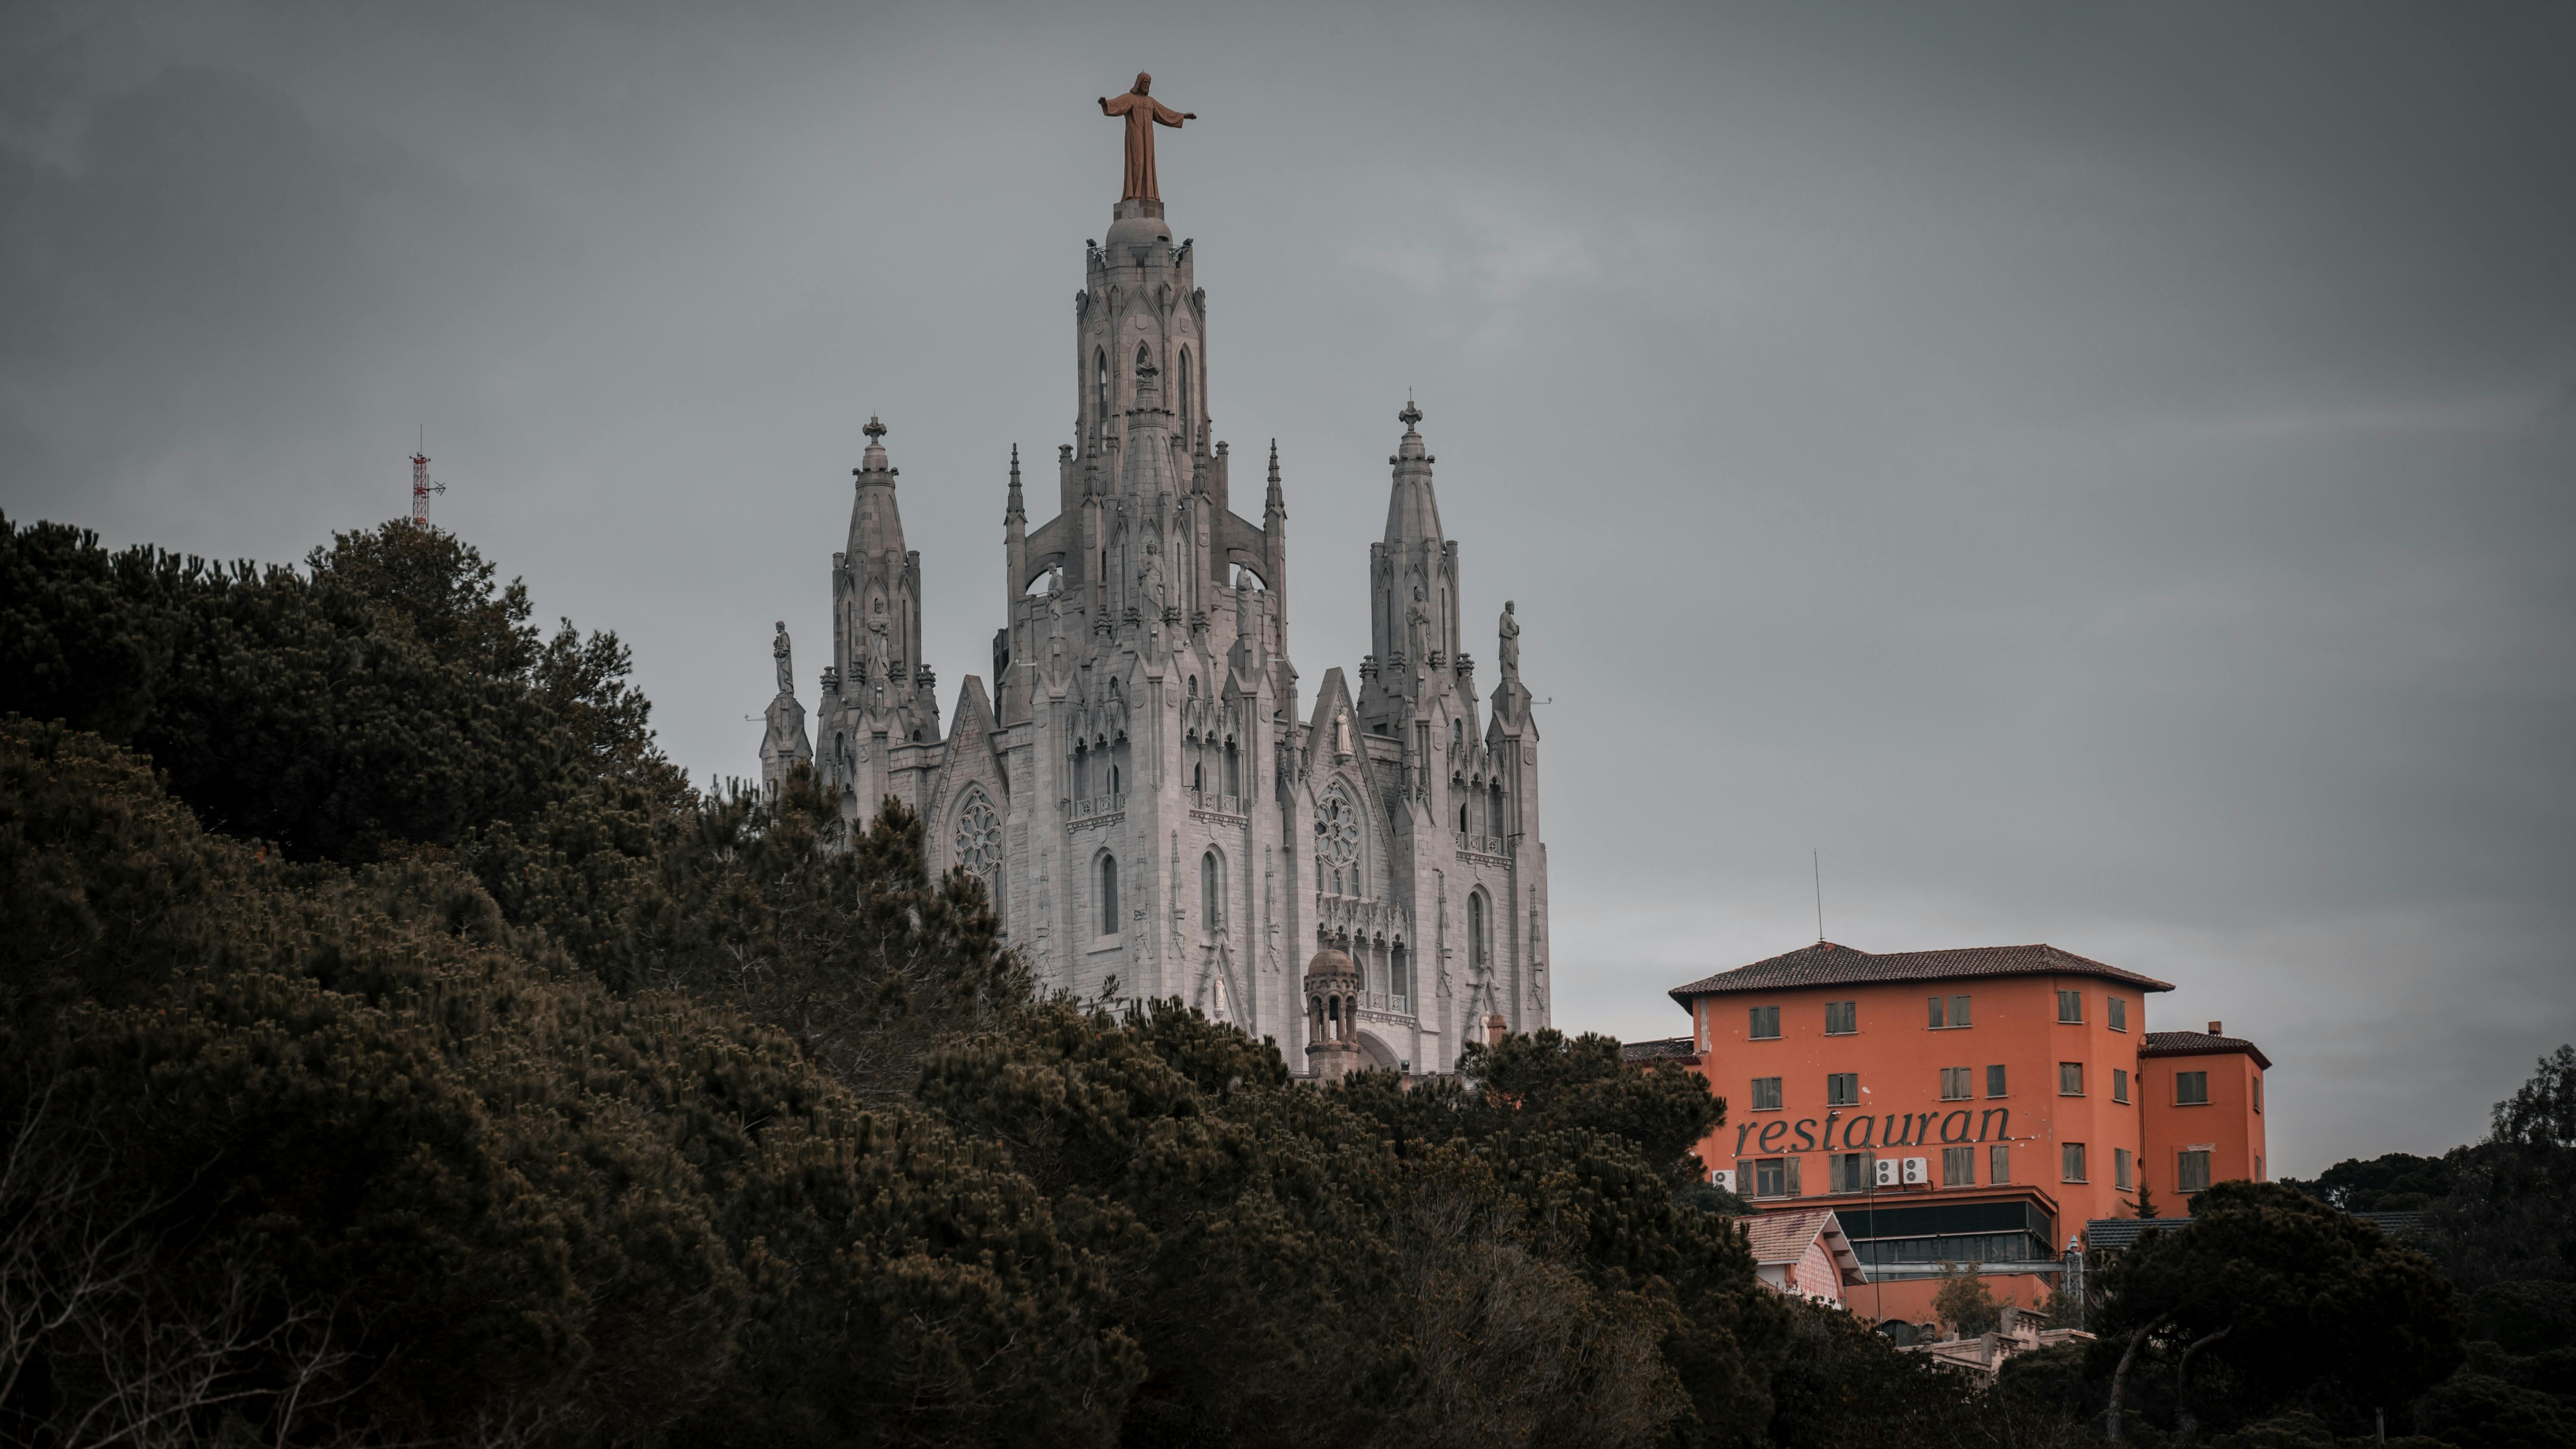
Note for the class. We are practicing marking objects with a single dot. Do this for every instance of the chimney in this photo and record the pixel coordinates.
(1496, 1029)
(2217, 1028)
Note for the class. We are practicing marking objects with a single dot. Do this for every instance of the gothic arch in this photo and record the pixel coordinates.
(1213, 895)
(1339, 838)
(976, 840)
(1104, 893)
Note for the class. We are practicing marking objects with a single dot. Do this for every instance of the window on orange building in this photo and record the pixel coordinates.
(2258, 1106)
(1842, 1089)
(2191, 1089)
(2120, 1168)
(1936, 1005)
(1766, 1023)
(1842, 1018)
(1775, 1177)
(2070, 1007)
(2117, 1009)
(2070, 1161)
(1958, 1167)
(1766, 1094)
(1998, 1163)
(2120, 1084)
(2070, 1079)
(1852, 1171)
(2191, 1172)
(1995, 1081)
(1955, 1084)
(1958, 1011)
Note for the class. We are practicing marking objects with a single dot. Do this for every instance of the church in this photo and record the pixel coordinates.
(1143, 792)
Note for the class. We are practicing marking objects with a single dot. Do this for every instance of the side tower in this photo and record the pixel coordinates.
(1426, 868)
(1142, 682)
(878, 722)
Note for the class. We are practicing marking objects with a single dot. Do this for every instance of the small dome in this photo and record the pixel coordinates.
(1330, 962)
(1135, 231)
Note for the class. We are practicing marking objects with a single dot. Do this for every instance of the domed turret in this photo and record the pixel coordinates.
(1332, 1015)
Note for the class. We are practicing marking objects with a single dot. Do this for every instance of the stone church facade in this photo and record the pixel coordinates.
(1143, 791)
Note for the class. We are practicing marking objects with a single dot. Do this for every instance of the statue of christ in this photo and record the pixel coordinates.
(1143, 114)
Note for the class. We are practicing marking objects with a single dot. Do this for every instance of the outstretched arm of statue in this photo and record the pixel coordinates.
(1165, 115)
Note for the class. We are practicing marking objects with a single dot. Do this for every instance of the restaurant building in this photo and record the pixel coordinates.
(1970, 1106)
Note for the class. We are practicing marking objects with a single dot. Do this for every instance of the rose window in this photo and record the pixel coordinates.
(979, 838)
(1337, 843)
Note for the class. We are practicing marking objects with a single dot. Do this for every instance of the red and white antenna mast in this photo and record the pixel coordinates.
(421, 487)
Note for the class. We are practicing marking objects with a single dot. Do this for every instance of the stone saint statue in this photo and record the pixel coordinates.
(778, 650)
(1149, 580)
(1511, 641)
(878, 668)
(1143, 114)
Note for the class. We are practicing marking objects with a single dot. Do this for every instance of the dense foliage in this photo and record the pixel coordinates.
(396, 1050)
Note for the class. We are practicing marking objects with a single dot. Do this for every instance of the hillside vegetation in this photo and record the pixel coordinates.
(398, 1050)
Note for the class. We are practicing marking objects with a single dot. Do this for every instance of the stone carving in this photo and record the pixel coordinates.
(1143, 113)
(1510, 648)
(779, 650)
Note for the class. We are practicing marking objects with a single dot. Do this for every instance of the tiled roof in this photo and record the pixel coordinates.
(2404, 1227)
(2105, 1233)
(1826, 964)
(1671, 1048)
(2199, 1044)
(1783, 1237)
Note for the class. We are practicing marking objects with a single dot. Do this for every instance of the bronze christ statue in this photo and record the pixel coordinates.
(1143, 114)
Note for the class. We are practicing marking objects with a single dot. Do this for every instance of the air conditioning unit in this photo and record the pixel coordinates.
(1722, 1177)
(1918, 1170)
(1886, 1171)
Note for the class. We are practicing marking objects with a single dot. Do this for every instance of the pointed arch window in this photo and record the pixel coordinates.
(1479, 933)
(1106, 888)
(1212, 891)
(1100, 391)
(979, 841)
(1189, 439)
(1337, 842)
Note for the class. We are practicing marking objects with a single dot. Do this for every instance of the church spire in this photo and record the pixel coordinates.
(1016, 511)
(1413, 589)
(1412, 510)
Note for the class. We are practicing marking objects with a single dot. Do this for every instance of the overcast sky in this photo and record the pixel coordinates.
(2098, 475)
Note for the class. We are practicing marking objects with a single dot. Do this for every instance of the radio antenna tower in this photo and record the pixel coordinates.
(421, 487)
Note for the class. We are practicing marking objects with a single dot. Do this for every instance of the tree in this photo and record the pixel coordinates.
(2287, 1295)
(1964, 1302)
(2145, 1206)
(319, 1153)
(390, 698)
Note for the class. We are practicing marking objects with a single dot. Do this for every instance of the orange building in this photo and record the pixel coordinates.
(1975, 1106)
(2203, 1093)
